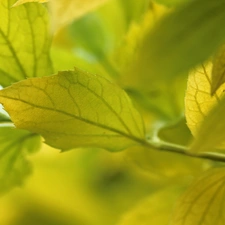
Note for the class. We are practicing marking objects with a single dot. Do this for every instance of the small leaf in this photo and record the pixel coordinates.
(25, 42)
(20, 2)
(204, 122)
(218, 70)
(178, 42)
(203, 203)
(156, 209)
(14, 146)
(74, 109)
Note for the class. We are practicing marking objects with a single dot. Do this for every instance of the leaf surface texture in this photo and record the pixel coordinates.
(74, 109)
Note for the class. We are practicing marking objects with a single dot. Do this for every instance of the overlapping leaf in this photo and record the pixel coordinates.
(179, 41)
(198, 99)
(203, 111)
(74, 109)
(24, 42)
(14, 146)
(203, 203)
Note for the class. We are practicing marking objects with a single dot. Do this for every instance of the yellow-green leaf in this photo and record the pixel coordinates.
(65, 11)
(14, 146)
(74, 109)
(218, 70)
(203, 203)
(25, 42)
(156, 209)
(20, 2)
(204, 123)
(198, 99)
(179, 41)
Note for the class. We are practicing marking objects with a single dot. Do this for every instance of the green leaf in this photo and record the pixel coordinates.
(74, 109)
(179, 41)
(203, 203)
(218, 70)
(25, 42)
(156, 209)
(14, 146)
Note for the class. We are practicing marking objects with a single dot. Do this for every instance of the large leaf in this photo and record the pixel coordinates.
(203, 203)
(203, 111)
(25, 42)
(179, 41)
(74, 109)
(14, 146)
(218, 70)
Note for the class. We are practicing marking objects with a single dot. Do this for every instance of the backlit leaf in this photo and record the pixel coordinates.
(74, 109)
(198, 99)
(179, 41)
(218, 70)
(212, 131)
(203, 203)
(14, 146)
(20, 2)
(204, 123)
(24, 42)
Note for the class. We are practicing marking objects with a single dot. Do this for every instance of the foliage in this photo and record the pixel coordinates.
(147, 85)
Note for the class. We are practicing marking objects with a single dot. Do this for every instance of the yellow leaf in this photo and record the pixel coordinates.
(20, 2)
(218, 70)
(65, 11)
(203, 203)
(74, 109)
(198, 99)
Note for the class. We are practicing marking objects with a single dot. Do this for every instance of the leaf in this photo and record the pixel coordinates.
(156, 209)
(178, 42)
(74, 109)
(218, 70)
(14, 146)
(65, 11)
(211, 134)
(198, 99)
(20, 2)
(25, 42)
(203, 203)
(199, 109)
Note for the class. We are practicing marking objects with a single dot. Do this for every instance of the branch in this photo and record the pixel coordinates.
(169, 147)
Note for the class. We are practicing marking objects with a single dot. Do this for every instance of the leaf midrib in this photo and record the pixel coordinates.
(129, 136)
